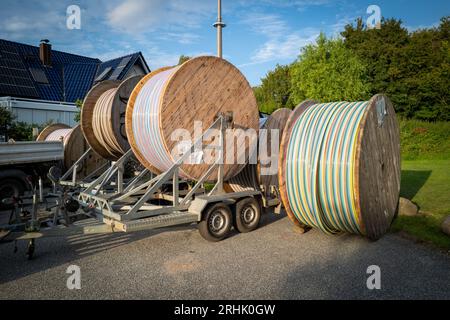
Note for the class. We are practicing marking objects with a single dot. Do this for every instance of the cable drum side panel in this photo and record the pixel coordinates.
(283, 161)
(74, 147)
(174, 99)
(341, 170)
(378, 168)
(255, 175)
(276, 121)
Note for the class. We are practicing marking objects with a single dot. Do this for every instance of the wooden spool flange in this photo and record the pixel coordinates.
(197, 91)
(283, 149)
(49, 129)
(378, 168)
(117, 116)
(276, 121)
(74, 147)
(251, 177)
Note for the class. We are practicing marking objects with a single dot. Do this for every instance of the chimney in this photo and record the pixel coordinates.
(45, 52)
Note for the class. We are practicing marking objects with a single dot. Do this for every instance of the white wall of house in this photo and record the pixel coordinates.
(40, 111)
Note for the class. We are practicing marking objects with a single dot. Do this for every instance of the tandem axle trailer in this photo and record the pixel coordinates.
(148, 202)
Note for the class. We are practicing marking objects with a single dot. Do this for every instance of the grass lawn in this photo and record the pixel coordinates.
(426, 183)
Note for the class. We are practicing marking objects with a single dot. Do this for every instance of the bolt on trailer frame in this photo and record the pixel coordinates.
(131, 207)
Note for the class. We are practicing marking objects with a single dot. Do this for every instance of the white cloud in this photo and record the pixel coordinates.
(35, 19)
(135, 15)
(338, 26)
(142, 15)
(270, 25)
(299, 5)
(286, 47)
(182, 38)
(282, 42)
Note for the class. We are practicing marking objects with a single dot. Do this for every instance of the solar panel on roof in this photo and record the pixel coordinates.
(123, 63)
(78, 79)
(103, 75)
(39, 75)
(15, 79)
(8, 48)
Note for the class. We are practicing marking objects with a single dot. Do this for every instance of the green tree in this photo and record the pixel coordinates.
(16, 130)
(183, 59)
(411, 68)
(275, 90)
(21, 131)
(79, 104)
(6, 117)
(427, 73)
(328, 71)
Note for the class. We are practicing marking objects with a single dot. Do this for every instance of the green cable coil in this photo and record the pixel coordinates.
(325, 150)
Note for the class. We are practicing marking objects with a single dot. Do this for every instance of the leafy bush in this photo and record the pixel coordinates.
(21, 131)
(17, 130)
(275, 90)
(421, 140)
(328, 71)
(79, 104)
(412, 68)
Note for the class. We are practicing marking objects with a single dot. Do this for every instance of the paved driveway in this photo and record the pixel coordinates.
(273, 262)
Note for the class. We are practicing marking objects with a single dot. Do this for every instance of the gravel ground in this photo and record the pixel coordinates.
(273, 262)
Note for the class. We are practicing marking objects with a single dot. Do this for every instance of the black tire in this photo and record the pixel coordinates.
(247, 215)
(10, 187)
(216, 222)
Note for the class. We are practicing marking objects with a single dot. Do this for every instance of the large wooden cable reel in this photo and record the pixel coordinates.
(356, 169)
(276, 121)
(53, 132)
(106, 103)
(74, 147)
(198, 90)
(255, 176)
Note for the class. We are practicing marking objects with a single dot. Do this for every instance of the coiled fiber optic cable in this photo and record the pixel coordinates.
(170, 108)
(102, 125)
(146, 119)
(59, 134)
(322, 167)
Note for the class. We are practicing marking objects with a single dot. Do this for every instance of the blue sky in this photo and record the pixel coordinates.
(259, 33)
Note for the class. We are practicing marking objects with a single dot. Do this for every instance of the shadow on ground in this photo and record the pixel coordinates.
(339, 271)
(412, 181)
(54, 251)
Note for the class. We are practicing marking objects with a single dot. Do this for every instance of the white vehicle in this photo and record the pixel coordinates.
(20, 160)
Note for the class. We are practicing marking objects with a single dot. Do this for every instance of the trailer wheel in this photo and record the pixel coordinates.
(247, 215)
(9, 188)
(216, 222)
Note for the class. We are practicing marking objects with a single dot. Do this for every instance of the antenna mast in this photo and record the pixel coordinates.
(219, 25)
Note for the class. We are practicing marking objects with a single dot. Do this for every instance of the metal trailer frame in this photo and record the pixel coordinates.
(70, 177)
(124, 206)
(128, 207)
